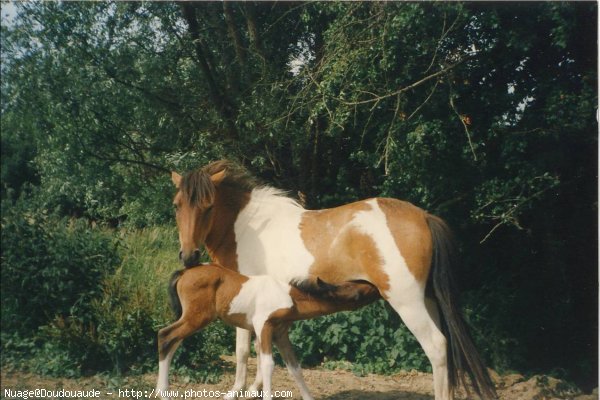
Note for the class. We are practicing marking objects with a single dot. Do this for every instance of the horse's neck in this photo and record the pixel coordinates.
(220, 241)
(266, 207)
(242, 219)
(267, 234)
(268, 202)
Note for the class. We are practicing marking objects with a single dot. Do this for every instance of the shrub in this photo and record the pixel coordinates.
(112, 325)
(373, 339)
(50, 266)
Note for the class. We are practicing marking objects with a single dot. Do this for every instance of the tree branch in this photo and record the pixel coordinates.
(119, 159)
(253, 30)
(234, 33)
(404, 89)
(462, 120)
(221, 102)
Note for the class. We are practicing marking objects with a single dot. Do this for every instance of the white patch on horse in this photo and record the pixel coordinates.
(268, 236)
(258, 298)
(403, 284)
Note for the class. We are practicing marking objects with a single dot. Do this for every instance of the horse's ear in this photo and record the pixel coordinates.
(176, 178)
(217, 177)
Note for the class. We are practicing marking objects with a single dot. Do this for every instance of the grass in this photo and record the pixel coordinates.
(149, 258)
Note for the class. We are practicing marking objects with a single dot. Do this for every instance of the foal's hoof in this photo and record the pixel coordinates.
(254, 388)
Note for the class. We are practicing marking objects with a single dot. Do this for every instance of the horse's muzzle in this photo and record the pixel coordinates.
(190, 260)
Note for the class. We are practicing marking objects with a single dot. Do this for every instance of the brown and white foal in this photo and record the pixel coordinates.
(259, 303)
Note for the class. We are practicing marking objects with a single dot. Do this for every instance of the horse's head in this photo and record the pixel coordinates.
(193, 203)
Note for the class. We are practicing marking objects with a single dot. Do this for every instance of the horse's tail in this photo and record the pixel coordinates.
(351, 291)
(462, 357)
(173, 296)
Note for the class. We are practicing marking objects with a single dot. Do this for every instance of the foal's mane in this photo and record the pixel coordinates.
(198, 189)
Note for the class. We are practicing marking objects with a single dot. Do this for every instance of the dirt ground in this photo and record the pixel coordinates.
(324, 385)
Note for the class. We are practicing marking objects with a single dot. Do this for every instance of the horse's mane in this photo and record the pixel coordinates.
(197, 187)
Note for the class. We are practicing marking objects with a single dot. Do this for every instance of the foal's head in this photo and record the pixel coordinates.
(194, 210)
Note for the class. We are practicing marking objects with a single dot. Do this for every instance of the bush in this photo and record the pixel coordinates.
(50, 266)
(129, 311)
(373, 339)
(98, 318)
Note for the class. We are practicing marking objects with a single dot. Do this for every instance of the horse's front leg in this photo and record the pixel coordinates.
(242, 351)
(258, 381)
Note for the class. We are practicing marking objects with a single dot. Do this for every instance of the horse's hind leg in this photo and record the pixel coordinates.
(282, 341)
(242, 351)
(423, 322)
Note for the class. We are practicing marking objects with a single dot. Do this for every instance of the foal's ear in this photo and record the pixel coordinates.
(217, 177)
(176, 178)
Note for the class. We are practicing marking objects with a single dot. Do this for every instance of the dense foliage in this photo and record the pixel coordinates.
(50, 266)
(81, 303)
(484, 114)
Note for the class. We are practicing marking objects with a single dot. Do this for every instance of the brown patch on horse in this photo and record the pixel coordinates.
(408, 225)
(342, 252)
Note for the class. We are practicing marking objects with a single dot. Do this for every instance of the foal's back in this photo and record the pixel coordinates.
(242, 301)
(208, 289)
(218, 292)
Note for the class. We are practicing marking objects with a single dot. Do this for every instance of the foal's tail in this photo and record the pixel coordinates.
(462, 357)
(173, 296)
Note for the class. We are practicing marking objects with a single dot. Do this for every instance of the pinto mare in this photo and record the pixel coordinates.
(201, 294)
(399, 248)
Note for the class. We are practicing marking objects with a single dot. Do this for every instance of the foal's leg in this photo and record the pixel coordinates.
(282, 341)
(169, 339)
(423, 320)
(164, 362)
(242, 351)
(258, 381)
(265, 347)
